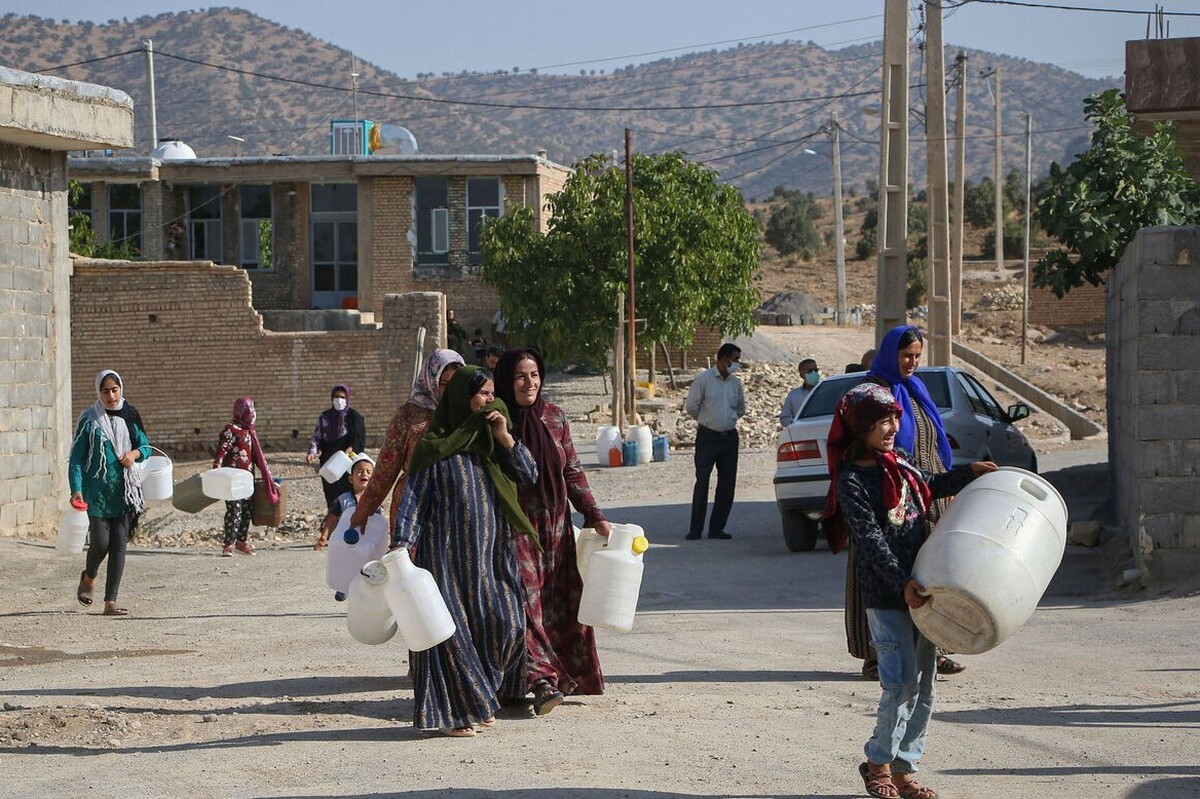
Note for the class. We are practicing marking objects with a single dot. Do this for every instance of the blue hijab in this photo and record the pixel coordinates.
(887, 366)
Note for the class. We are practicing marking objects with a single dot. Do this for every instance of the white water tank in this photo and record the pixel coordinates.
(173, 150)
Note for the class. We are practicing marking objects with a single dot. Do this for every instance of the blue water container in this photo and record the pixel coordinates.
(662, 448)
(629, 453)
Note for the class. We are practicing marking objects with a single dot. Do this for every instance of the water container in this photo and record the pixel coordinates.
(227, 483)
(368, 615)
(416, 602)
(607, 437)
(157, 477)
(588, 542)
(614, 577)
(336, 467)
(645, 441)
(189, 495)
(615, 457)
(262, 512)
(662, 448)
(72, 529)
(629, 453)
(350, 550)
(989, 560)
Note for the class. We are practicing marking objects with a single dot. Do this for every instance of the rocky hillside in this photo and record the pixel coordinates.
(746, 110)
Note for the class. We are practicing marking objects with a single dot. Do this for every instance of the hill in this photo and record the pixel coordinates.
(748, 111)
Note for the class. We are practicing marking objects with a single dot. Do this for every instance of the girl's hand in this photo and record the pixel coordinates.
(500, 429)
(603, 528)
(311, 458)
(914, 592)
(983, 467)
(130, 458)
(77, 496)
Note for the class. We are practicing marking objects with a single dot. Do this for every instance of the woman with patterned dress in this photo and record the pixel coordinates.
(562, 652)
(407, 427)
(460, 512)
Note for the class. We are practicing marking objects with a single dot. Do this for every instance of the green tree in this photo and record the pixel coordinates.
(1123, 183)
(696, 257)
(82, 239)
(790, 227)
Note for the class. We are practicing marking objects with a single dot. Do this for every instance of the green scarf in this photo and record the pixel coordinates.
(456, 429)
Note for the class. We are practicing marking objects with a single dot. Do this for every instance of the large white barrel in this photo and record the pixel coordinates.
(608, 437)
(347, 554)
(989, 560)
(227, 483)
(418, 605)
(368, 615)
(614, 578)
(645, 441)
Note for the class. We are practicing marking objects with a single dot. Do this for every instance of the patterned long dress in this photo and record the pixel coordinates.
(450, 511)
(561, 650)
(406, 429)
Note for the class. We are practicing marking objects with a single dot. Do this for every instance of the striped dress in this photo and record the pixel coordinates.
(450, 510)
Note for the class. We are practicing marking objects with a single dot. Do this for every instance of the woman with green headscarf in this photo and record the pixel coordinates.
(460, 512)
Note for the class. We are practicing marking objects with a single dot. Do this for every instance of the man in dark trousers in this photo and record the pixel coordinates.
(717, 402)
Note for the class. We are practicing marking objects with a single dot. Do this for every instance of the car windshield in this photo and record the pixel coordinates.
(828, 392)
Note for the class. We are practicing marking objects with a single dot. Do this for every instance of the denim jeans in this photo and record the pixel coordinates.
(907, 666)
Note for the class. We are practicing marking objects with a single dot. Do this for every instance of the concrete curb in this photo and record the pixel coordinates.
(1079, 425)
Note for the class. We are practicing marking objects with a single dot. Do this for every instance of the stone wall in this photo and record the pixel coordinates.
(1154, 398)
(189, 342)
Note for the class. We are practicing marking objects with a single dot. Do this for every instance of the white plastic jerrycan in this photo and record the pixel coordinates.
(350, 550)
(227, 483)
(989, 560)
(588, 542)
(368, 615)
(416, 602)
(72, 529)
(614, 578)
(338, 464)
(608, 438)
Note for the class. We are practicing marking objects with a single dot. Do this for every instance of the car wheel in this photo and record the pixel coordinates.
(799, 532)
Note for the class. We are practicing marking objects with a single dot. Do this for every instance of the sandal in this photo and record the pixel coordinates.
(458, 732)
(112, 610)
(321, 542)
(947, 666)
(545, 698)
(84, 592)
(878, 781)
(911, 789)
(488, 723)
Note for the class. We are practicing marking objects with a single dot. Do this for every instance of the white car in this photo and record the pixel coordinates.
(978, 429)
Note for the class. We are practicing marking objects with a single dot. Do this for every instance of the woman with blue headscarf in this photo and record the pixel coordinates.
(922, 436)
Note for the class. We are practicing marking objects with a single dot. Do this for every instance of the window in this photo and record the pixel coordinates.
(257, 245)
(125, 215)
(981, 401)
(204, 223)
(432, 200)
(483, 200)
(80, 201)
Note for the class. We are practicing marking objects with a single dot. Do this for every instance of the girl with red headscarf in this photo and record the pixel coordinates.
(238, 447)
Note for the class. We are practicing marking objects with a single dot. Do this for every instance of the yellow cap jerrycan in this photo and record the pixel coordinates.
(613, 579)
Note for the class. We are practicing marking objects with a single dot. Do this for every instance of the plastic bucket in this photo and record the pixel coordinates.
(645, 441)
(72, 531)
(989, 560)
(608, 437)
(157, 477)
(333, 469)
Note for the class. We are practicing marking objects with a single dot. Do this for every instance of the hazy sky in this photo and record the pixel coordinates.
(568, 35)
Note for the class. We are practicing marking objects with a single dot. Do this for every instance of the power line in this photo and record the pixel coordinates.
(88, 61)
(1092, 9)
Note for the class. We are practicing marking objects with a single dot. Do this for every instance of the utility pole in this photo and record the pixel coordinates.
(890, 303)
(998, 177)
(936, 185)
(960, 155)
(354, 87)
(148, 46)
(632, 376)
(1028, 214)
(839, 231)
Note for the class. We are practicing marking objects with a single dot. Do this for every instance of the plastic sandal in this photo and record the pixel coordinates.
(84, 592)
(947, 666)
(458, 732)
(878, 783)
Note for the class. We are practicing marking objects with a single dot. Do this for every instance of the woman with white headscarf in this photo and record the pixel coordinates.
(109, 441)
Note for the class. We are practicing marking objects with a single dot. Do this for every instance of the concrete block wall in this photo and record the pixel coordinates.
(1154, 395)
(190, 342)
(1084, 306)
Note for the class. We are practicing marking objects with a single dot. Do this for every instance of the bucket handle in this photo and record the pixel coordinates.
(1034, 489)
(156, 449)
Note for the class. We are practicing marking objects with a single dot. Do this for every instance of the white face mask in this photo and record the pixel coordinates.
(339, 403)
(253, 417)
(734, 366)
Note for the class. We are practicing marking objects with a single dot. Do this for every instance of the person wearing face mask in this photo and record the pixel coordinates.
(238, 448)
(716, 401)
(811, 375)
(339, 429)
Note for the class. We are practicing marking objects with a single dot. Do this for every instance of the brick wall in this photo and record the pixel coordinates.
(189, 342)
(34, 399)
(695, 357)
(1080, 307)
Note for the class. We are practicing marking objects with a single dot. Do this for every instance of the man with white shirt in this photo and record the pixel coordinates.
(811, 375)
(716, 401)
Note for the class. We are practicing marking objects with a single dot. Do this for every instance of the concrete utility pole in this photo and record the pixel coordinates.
(1028, 214)
(839, 230)
(960, 155)
(632, 376)
(999, 179)
(890, 303)
(939, 353)
(148, 46)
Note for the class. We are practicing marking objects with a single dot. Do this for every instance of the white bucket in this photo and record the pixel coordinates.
(369, 618)
(337, 466)
(157, 477)
(989, 560)
(614, 579)
(608, 437)
(645, 441)
(344, 559)
(72, 532)
(227, 483)
(413, 595)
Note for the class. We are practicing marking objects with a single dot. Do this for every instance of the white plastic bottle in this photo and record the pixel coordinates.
(368, 615)
(350, 550)
(416, 602)
(614, 578)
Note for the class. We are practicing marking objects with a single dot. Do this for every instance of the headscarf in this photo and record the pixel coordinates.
(455, 429)
(243, 416)
(425, 388)
(531, 431)
(331, 425)
(856, 412)
(113, 425)
(886, 365)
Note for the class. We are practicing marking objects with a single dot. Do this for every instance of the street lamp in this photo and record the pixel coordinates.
(240, 141)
